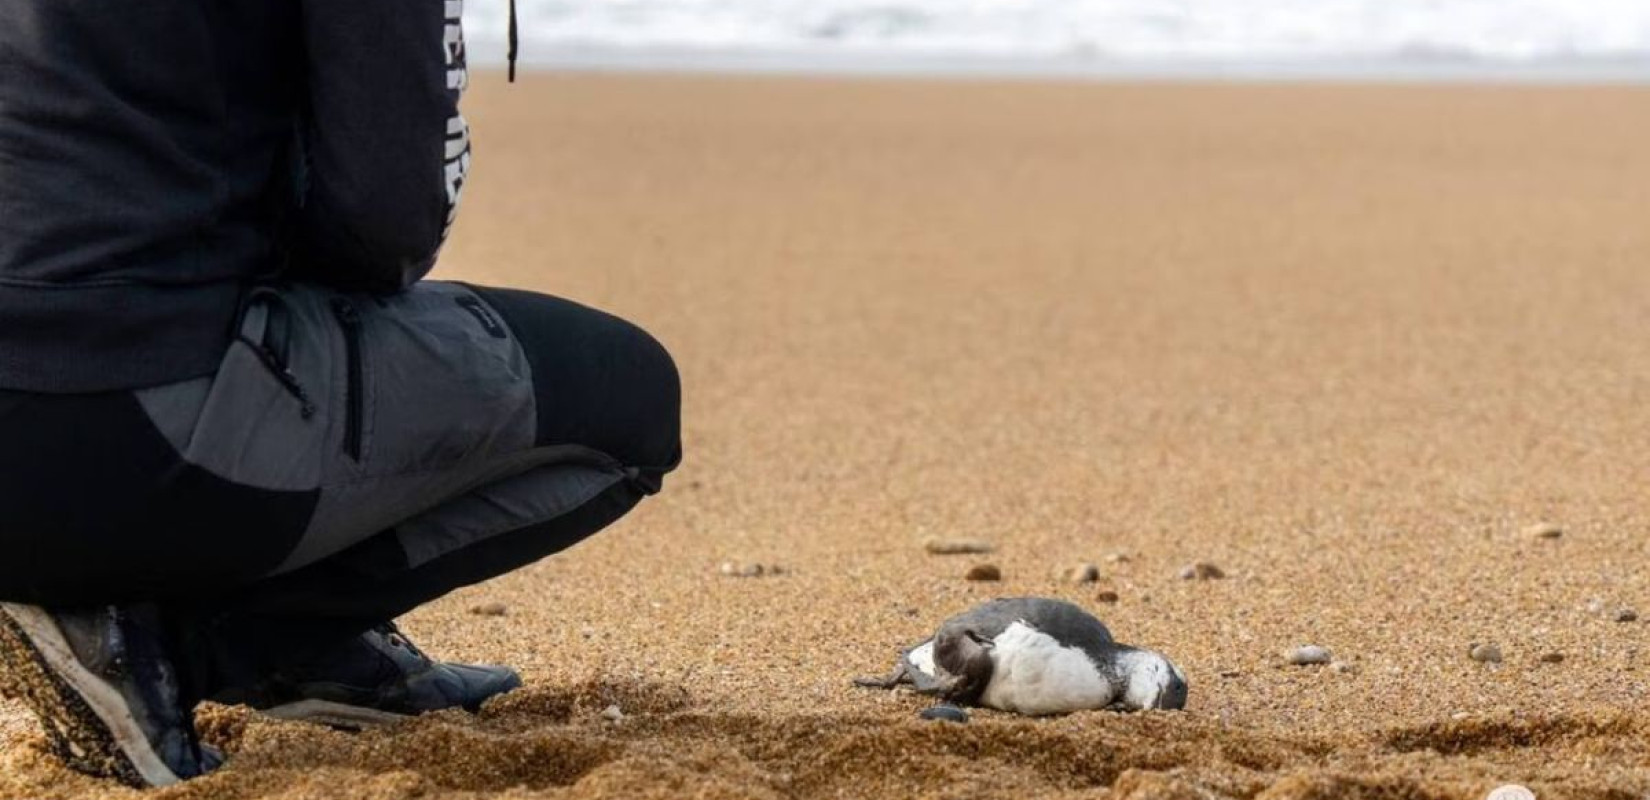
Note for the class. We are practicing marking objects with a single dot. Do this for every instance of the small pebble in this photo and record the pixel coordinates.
(1552, 658)
(1080, 573)
(1626, 615)
(1511, 791)
(1201, 571)
(1106, 596)
(984, 572)
(738, 570)
(613, 713)
(1230, 673)
(954, 547)
(1485, 653)
(1544, 530)
(1342, 668)
(1308, 654)
(944, 712)
(1118, 557)
(1595, 606)
(490, 610)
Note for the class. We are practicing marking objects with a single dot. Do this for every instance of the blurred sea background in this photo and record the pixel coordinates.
(1535, 40)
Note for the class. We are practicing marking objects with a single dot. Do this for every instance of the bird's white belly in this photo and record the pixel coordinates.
(922, 657)
(1035, 675)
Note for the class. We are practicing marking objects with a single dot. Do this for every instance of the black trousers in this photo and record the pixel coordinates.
(352, 458)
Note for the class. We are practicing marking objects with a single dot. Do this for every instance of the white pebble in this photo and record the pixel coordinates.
(1544, 530)
(1511, 791)
(613, 713)
(736, 569)
(1308, 654)
(1080, 573)
(1485, 653)
(1201, 571)
(952, 547)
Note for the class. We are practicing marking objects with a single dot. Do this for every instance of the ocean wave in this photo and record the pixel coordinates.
(1114, 29)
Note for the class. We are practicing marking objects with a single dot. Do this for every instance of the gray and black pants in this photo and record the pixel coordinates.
(353, 457)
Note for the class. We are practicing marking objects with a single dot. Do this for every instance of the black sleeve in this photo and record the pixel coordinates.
(384, 149)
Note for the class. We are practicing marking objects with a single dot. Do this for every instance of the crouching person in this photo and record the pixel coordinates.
(239, 434)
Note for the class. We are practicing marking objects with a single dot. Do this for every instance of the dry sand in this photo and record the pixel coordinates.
(1347, 343)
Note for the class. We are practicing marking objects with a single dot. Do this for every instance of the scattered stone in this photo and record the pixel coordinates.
(1107, 596)
(1595, 606)
(1626, 615)
(1544, 530)
(1308, 654)
(736, 569)
(984, 572)
(490, 610)
(944, 712)
(1552, 658)
(1080, 573)
(1485, 653)
(1230, 673)
(1342, 668)
(1118, 557)
(1201, 571)
(613, 713)
(956, 547)
(1511, 791)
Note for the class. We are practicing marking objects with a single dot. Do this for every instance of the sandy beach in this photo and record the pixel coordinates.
(1348, 343)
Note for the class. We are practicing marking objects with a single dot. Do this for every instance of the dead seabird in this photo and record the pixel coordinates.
(1035, 656)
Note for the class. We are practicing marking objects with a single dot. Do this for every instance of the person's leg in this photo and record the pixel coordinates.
(598, 433)
(315, 485)
(97, 510)
(97, 507)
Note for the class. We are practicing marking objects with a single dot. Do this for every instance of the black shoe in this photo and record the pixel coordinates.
(375, 678)
(103, 686)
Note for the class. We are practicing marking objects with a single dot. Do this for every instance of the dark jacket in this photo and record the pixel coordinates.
(158, 157)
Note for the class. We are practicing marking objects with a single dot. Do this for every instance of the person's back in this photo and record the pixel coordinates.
(239, 434)
(137, 146)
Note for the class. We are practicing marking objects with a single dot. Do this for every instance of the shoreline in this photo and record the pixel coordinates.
(488, 54)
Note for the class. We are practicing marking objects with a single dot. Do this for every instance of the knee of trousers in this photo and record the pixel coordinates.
(599, 380)
(653, 407)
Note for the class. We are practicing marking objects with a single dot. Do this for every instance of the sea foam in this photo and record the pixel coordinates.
(1105, 33)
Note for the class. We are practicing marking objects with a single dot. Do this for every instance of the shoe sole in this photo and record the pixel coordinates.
(333, 715)
(88, 722)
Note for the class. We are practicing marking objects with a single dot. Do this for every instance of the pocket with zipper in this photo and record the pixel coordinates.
(272, 344)
(349, 319)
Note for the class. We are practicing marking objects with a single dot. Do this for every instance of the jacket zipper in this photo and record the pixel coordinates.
(355, 399)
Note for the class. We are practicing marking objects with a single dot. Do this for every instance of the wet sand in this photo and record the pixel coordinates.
(1347, 343)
